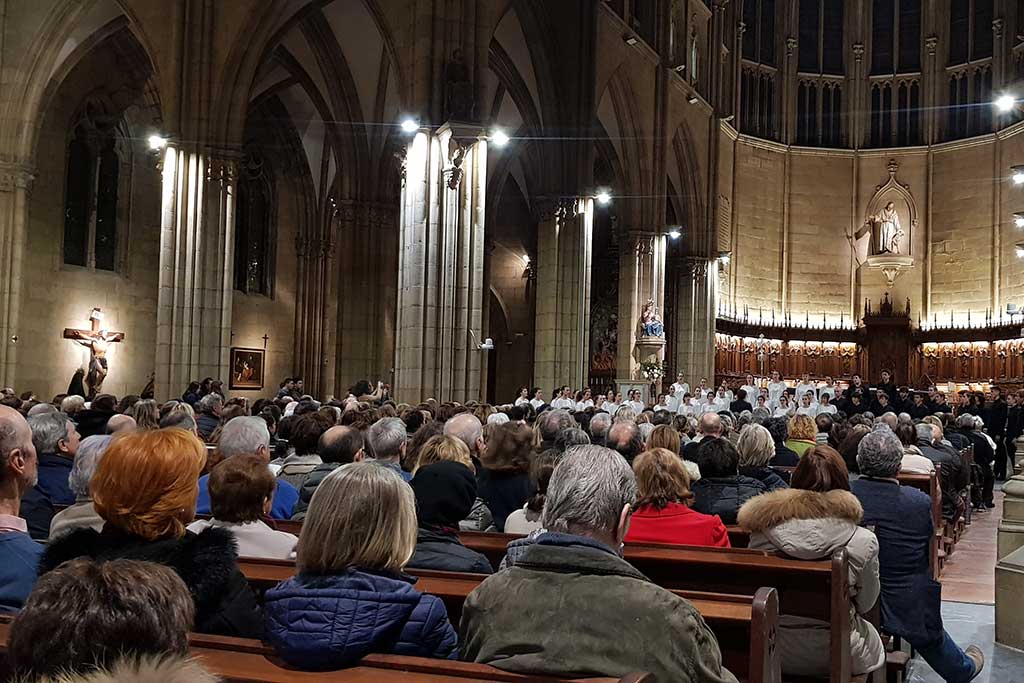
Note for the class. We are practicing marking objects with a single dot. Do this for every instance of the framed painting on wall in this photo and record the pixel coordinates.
(246, 368)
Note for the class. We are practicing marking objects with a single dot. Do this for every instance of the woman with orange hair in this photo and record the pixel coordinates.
(145, 490)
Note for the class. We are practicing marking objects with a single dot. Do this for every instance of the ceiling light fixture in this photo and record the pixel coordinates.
(1005, 102)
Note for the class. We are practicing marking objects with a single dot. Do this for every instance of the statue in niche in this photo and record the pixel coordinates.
(651, 323)
(458, 89)
(887, 231)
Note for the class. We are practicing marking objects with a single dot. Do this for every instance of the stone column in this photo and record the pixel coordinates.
(562, 332)
(641, 279)
(366, 292)
(1011, 526)
(15, 183)
(315, 254)
(440, 269)
(695, 319)
(196, 266)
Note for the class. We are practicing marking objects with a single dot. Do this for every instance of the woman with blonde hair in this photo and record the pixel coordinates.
(441, 448)
(663, 513)
(145, 489)
(757, 448)
(146, 414)
(802, 432)
(665, 436)
(350, 597)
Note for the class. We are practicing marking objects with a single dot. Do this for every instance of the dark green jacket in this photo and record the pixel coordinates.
(570, 607)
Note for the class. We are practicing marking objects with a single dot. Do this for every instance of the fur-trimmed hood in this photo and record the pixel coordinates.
(803, 524)
(168, 669)
(205, 561)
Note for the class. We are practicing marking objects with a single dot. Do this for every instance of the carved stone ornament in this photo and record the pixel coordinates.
(858, 51)
(15, 176)
(456, 155)
(695, 266)
(790, 46)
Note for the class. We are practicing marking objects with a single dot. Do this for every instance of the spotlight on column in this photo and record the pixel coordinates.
(157, 142)
(603, 198)
(674, 234)
(724, 258)
(1005, 102)
(488, 345)
(1020, 250)
(1017, 173)
(526, 259)
(410, 126)
(1018, 220)
(499, 138)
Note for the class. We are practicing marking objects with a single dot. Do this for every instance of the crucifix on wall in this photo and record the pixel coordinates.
(96, 339)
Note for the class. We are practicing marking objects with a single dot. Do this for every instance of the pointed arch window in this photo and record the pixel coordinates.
(254, 226)
(91, 190)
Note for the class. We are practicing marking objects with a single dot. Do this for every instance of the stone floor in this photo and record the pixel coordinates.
(968, 611)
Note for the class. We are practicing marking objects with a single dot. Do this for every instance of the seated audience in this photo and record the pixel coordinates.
(121, 620)
(578, 593)
(567, 438)
(810, 521)
(954, 476)
(710, 427)
(803, 433)
(913, 462)
(249, 436)
(121, 423)
(757, 448)
(241, 494)
(663, 513)
(82, 513)
(145, 489)
(722, 490)
(901, 517)
(599, 426)
(145, 413)
(625, 438)
(56, 441)
(208, 411)
(350, 597)
(504, 474)
(338, 446)
(388, 442)
(304, 439)
(442, 448)
(850, 443)
(19, 554)
(445, 493)
(93, 420)
(666, 436)
(527, 519)
(784, 455)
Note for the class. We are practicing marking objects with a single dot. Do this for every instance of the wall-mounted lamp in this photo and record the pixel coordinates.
(498, 137)
(603, 198)
(724, 257)
(1018, 220)
(1020, 250)
(1017, 174)
(410, 126)
(674, 234)
(1005, 102)
(157, 142)
(629, 39)
(488, 344)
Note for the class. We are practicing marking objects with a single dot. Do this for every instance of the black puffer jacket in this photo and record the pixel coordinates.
(206, 562)
(767, 476)
(724, 496)
(954, 478)
(440, 549)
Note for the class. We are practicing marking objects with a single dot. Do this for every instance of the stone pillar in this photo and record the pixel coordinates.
(441, 264)
(196, 267)
(562, 332)
(695, 319)
(641, 279)
(15, 183)
(315, 254)
(366, 302)
(1010, 600)
(1011, 526)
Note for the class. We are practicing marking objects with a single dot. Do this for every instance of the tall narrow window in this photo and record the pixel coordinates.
(895, 37)
(820, 62)
(759, 38)
(970, 30)
(78, 201)
(254, 227)
(91, 189)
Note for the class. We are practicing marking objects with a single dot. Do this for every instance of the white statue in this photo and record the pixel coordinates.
(889, 230)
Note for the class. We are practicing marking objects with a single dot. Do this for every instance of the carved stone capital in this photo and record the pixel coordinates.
(222, 169)
(16, 176)
(931, 43)
(997, 28)
(741, 28)
(695, 266)
(790, 46)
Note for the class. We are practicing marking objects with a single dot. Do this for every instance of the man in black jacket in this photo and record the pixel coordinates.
(741, 403)
(983, 456)
(995, 419)
(954, 478)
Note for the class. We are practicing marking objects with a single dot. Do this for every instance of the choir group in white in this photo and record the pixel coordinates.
(772, 394)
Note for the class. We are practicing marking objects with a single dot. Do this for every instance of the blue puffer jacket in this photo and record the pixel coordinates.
(319, 623)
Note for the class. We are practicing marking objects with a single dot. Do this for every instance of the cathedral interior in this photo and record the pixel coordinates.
(467, 197)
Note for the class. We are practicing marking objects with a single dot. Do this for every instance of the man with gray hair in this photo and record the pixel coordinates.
(984, 456)
(579, 592)
(19, 554)
(208, 415)
(710, 427)
(954, 478)
(249, 436)
(567, 438)
(901, 516)
(550, 423)
(82, 514)
(388, 440)
(625, 439)
(467, 428)
(56, 440)
(599, 425)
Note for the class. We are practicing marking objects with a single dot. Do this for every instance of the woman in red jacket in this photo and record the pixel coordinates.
(663, 513)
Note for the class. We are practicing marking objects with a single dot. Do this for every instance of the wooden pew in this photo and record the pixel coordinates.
(241, 660)
(929, 484)
(745, 626)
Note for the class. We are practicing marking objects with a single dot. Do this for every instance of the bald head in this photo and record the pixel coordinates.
(121, 423)
(466, 428)
(710, 424)
(17, 456)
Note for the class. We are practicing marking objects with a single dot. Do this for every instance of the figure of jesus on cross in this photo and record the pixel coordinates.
(96, 340)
